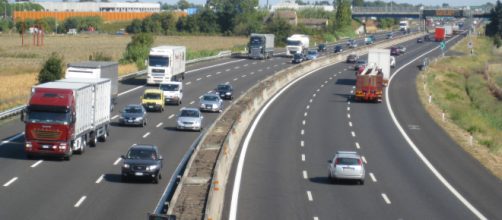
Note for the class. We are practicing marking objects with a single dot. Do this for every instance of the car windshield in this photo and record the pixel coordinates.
(169, 87)
(223, 88)
(294, 43)
(312, 52)
(297, 55)
(210, 98)
(133, 109)
(338, 47)
(255, 41)
(347, 161)
(352, 56)
(151, 96)
(142, 154)
(190, 113)
(158, 61)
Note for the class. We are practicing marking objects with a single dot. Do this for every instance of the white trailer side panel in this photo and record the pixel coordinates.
(381, 57)
(84, 109)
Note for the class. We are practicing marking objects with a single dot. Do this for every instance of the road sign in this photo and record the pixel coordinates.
(442, 45)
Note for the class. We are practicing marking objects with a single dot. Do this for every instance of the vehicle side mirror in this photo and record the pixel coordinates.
(201, 117)
(73, 118)
(122, 156)
(160, 157)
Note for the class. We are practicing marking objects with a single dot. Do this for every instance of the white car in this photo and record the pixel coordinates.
(346, 165)
(173, 92)
(392, 61)
(189, 119)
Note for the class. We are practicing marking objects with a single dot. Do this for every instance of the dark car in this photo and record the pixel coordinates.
(427, 38)
(350, 41)
(142, 161)
(352, 58)
(338, 49)
(360, 64)
(297, 58)
(394, 51)
(390, 35)
(321, 47)
(402, 49)
(420, 40)
(225, 91)
(133, 114)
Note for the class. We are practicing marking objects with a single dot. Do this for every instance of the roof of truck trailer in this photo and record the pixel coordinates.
(85, 80)
(92, 64)
(62, 85)
(162, 48)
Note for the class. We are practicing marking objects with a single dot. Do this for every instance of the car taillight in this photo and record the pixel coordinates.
(359, 162)
(337, 161)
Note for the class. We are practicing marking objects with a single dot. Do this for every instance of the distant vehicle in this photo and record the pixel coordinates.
(394, 51)
(153, 100)
(383, 60)
(142, 161)
(312, 54)
(427, 38)
(225, 91)
(133, 114)
(392, 61)
(211, 102)
(369, 40)
(353, 44)
(390, 35)
(346, 165)
(439, 34)
(321, 47)
(261, 46)
(297, 43)
(298, 58)
(360, 63)
(349, 42)
(173, 92)
(402, 49)
(166, 64)
(352, 58)
(420, 40)
(189, 119)
(338, 48)
(403, 26)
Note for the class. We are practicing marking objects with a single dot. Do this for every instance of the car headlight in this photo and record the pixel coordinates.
(151, 168)
(28, 145)
(126, 166)
(138, 119)
(228, 93)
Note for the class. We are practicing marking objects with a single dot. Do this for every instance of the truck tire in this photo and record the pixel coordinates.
(68, 157)
(94, 140)
(82, 146)
(104, 137)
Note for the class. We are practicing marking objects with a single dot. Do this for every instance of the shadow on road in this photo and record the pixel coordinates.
(117, 178)
(346, 82)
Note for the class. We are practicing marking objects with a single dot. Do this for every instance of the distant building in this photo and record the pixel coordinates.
(100, 6)
(287, 4)
(287, 15)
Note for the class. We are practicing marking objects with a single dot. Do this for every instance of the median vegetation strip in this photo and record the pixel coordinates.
(460, 88)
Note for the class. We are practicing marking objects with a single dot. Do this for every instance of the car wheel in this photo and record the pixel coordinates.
(124, 178)
(361, 182)
(156, 179)
(143, 124)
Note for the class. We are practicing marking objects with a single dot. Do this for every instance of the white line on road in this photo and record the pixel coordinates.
(303, 157)
(246, 64)
(330, 78)
(209, 91)
(260, 70)
(325, 81)
(309, 195)
(353, 134)
(117, 161)
(236, 79)
(10, 182)
(236, 67)
(80, 201)
(316, 218)
(364, 160)
(159, 124)
(305, 175)
(303, 122)
(191, 103)
(319, 89)
(227, 83)
(313, 95)
(340, 72)
(302, 132)
(348, 102)
(351, 91)
(208, 76)
(170, 116)
(252, 73)
(348, 115)
(348, 108)
(322, 85)
(218, 73)
(199, 79)
(308, 106)
(384, 196)
(350, 124)
(227, 70)
(146, 135)
(188, 83)
(243, 76)
(114, 117)
(36, 164)
(200, 97)
(302, 143)
(358, 146)
(305, 114)
(100, 178)
(373, 178)
(310, 100)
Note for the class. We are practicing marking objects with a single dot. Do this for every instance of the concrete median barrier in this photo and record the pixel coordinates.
(201, 193)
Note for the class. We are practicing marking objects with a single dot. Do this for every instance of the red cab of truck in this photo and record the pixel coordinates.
(440, 34)
(369, 85)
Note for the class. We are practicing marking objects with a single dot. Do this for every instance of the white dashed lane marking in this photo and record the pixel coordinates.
(100, 179)
(303, 157)
(302, 143)
(117, 161)
(199, 79)
(191, 103)
(115, 116)
(350, 124)
(80, 201)
(159, 124)
(10, 182)
(36, 164)
(373, 178)
(364, 160)
(353, 134)
(358, 146)
(302, 132)
(305, 175)
(188, 83)
(387, 200)
(309, 195)
(146, 135)
(171, 116)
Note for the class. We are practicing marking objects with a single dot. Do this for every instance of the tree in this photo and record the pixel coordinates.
(168, 22)
(134, 27)
(52, 70)
(343, 14)
(183, 4)
(494, 28)
(152, 24)
(208, 21)
(281, 29)
(137, 50)
(229, 10)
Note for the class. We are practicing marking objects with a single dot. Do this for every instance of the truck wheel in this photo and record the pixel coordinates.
(94, 140)
(105, 135)
(67, 157)
(82, 147)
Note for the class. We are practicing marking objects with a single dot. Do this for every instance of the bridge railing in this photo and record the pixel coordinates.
(385, 9)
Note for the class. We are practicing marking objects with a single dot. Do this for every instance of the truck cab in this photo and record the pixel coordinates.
(153, 100)
(173, 92)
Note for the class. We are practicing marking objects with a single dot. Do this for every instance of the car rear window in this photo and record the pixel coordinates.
(347, 161)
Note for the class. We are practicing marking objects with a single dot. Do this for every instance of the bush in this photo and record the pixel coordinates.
(52, 70)
(137, 50)
(99, 56)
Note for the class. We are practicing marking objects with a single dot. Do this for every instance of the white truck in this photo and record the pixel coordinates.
(96, 70)
(173, 92)
(403, 26)
(448, 29)
(382, 59)
(297, 43)
(166, 64)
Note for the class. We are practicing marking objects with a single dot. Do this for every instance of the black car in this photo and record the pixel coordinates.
(420, 40)
(225, 91)
(352, 58)
(338, 48)
(321, 47)
(359, 63)
(142, 161)
(427, 38)
(394, 51)
(133, 114)
(297, 58)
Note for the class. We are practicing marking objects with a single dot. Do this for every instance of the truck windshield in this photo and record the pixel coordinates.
(158, 61)
(151, 96)
(169, 87)
(255, 41)
(294, 43)
(45, 116)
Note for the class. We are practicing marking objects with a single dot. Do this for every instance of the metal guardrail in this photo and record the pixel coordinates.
(18, 109)
(164, 202)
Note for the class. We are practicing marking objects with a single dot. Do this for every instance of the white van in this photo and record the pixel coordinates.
(173, 92)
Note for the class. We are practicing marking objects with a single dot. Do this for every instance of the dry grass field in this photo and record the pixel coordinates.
(19, 65)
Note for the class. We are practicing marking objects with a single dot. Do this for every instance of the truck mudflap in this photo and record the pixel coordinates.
(371, 96)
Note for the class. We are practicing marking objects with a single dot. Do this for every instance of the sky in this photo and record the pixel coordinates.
(263, 2)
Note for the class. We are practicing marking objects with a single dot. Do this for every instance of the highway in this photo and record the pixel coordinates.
(89, 186)
(285, 170)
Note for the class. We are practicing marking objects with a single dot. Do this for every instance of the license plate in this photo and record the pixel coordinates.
(129, 121)
(45, 146)
(138, 174)
(150, 106)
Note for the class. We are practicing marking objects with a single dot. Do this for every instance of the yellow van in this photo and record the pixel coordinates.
(153, 100)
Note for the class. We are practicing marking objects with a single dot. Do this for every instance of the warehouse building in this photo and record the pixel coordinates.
(100, 6)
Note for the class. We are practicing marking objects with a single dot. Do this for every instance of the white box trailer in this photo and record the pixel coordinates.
(381, 58)
(448, 29)
(96, 70)
(297, 43)
(166, 64)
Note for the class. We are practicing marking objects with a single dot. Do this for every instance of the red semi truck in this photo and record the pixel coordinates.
(440, 34)
(63, 118)
(369, 84)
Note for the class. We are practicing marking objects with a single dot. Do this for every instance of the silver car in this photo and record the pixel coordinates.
(133, 114)
(346, 165)
(211, 102)
(189, 119)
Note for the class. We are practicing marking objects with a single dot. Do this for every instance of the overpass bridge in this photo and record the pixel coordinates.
(411, 12)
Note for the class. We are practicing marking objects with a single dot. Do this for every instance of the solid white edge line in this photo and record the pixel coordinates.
(387, 200)
(114, 117)
(36, 164)
(309, 195)
(10, 182)
(159, 124)
(373, 177)
(245, 145)
(146, 135)
(429, 165)
(80, 201)
(100, 178)
(305, 174)
(117, 161)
